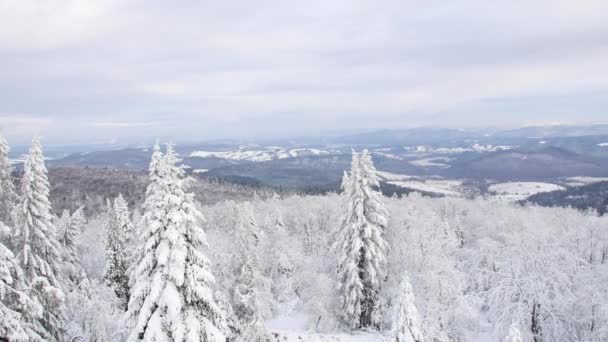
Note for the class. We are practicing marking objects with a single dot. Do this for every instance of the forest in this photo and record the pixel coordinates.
(183, 261)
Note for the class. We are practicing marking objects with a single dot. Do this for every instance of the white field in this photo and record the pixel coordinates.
(293, 328)
(446, 187)
(259, 155)
(577, 181)
(432, 162)
(515, 191)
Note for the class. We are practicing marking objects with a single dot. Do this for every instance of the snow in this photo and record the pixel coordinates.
(580, 180)
(388, 155)
(515, 191)
(270, 153)
(451, 188)
(603, 144)
(294, 328)
(389, 176)
(458, 150)
(200, 170)
(432, 162)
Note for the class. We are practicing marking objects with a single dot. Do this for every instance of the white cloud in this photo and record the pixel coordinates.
(261, 64)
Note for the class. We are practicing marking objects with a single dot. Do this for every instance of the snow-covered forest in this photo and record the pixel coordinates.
(353, 266)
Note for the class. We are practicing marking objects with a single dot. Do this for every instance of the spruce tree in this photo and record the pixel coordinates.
(407, 322)
(360, 245)
(14, 300)
(8, 195)
(249, 284)
(37, 247)
(69, 227)
(117, 232)
(172, 299)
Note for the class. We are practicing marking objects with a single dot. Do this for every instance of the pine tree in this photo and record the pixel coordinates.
(37, 247)
(153, 191)
(13, 299)
(69, 227)
(514, 334)
(118, 230)
(8, 195)
(172, 298)
(247, 291)
(407, 322)
(360, 245)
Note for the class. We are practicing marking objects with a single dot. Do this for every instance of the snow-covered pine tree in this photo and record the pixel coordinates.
(13, 300)
(514, 334)
(172, 299)
(69, 227)
(360, 245)
(116, 241)
(249, 284)
(407, 322)
(37, 246)
(153, 191)
(8, 195)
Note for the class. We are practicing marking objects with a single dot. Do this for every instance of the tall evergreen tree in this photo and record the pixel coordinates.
(37, 246)
(172, 298)
(69, 227)
(117, 233)
(8, 195)
(360, 245)
(249, 283)
(407, 322)
(13, 299)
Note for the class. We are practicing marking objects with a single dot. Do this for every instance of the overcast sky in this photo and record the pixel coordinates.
(84, 70)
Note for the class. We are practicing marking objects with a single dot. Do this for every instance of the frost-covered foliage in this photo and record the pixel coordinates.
(68, 229)
(8, 195)
(249, 286)
(478, 270)
(360, 246)
(172, 298)
(118, 232)
(38, 251)
(407, 321)
(14, 300)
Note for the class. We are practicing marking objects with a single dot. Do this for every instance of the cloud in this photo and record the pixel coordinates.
(117, 124)
(221, 69)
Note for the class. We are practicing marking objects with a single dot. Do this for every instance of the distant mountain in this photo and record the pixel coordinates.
(555, 131)
(551, 162)
(591, 196)
(410, 136)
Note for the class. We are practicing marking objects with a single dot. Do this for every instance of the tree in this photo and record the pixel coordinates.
(118, 229)
(249, 284)
(408, 327)
(8, 195)
(360, 245)
(69, 227)
(172, 299)
(153, 191)
(37, 247)
(14, 300)
(514, 334)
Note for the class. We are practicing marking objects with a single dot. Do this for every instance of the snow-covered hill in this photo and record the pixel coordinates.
(260, 155)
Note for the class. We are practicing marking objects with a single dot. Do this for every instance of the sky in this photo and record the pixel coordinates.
(121, 70)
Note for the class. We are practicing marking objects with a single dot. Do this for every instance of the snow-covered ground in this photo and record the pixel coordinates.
(270, 153)
(433, 184)
(432, 162)
(458, 150)
(515, 191)
(578, 181)
(293, 328)
(603, 144)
